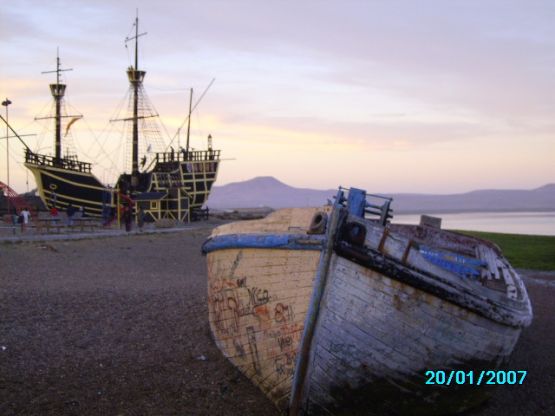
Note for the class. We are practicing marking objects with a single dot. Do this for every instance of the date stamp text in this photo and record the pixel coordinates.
(477, 378)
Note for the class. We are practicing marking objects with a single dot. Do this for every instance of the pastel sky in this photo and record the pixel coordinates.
(390, 96)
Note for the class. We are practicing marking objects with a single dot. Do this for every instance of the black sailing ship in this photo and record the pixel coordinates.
(174, 186)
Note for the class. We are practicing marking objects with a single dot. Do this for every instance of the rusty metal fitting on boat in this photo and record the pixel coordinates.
(354, 233)
(318, 223)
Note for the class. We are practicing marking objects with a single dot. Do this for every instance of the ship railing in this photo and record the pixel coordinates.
(69, 163)
(187, 156)
(362, 204)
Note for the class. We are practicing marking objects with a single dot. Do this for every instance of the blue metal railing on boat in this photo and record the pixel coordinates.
(456, 263)
(360, 203)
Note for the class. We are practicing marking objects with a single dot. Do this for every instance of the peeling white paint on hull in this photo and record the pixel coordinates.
(348, 322)
(376, 337)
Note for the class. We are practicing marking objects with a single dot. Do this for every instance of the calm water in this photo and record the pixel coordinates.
(540, 223)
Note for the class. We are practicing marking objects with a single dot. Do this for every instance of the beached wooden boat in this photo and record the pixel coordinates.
(336, 311)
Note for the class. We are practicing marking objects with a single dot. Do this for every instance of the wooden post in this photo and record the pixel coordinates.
(301, 369)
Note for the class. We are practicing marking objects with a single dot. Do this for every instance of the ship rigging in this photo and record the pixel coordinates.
(173, 185)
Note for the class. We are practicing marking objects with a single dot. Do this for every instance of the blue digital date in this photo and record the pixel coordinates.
(477, 378)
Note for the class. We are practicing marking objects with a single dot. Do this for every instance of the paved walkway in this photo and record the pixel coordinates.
(7, 234)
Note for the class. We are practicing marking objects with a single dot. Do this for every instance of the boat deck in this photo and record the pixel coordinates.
(67, 163)
(466, 256)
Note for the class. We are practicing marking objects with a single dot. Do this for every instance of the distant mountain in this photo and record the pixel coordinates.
(550, 187)
(541, 199)
(269, 192)
(265, 191)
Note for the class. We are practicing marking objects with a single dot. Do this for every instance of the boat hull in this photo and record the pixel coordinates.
(258, 298)
(60, 187)
(373, 308)
(183, 186)
(257, 312)
(376, 337)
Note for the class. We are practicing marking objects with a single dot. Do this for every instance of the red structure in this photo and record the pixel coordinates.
(15, 202)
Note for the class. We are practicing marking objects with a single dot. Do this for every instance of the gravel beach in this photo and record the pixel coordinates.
(118, 326)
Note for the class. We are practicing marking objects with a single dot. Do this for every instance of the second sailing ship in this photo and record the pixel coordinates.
(174, 185)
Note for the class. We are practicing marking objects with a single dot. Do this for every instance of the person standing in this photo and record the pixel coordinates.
(54, 214)
(70, 211)
(140, 218)
(19, 220)
(25, 220)
(106, 213)
(127, 217)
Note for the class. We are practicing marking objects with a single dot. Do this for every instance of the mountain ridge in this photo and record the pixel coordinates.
(271, 192)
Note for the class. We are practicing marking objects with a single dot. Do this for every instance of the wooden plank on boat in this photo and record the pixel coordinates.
(395, 246)
(512, 292)
(429, 221)
(374, 236)
(416, 259)
(487, 255)
(484, 271)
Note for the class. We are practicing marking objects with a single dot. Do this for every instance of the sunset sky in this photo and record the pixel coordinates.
(391, 96)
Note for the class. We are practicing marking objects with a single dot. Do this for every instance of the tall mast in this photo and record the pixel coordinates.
(136, 79)
(58, 91)
(189, 120)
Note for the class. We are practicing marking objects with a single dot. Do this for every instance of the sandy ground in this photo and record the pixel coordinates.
(118, 326)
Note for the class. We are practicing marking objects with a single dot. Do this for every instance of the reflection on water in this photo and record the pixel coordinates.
(540, 223)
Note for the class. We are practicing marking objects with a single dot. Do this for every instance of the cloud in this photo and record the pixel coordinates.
(384, 77)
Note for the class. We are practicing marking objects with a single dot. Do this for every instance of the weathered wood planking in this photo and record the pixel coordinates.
(258, 301)
(356, 326)
(288, 220)
(374, 333)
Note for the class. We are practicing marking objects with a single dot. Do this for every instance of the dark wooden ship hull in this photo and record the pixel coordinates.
(176, 187)
(343, 315)
(59, 187)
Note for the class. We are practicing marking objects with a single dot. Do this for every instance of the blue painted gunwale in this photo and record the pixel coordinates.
(264, 241)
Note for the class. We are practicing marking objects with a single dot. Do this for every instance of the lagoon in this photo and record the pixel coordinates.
(537, 223)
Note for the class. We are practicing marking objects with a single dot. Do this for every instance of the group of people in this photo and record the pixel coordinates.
(71, 213)
(24, 216)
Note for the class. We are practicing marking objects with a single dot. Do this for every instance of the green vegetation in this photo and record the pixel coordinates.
(535, 252)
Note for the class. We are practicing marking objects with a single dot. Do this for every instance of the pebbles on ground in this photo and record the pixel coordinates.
(119, 326)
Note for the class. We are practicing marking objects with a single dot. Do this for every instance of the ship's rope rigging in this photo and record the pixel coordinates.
(151, 141)
(115, 160)
(150, 138)
(13, 155)
(192, 110)
(104, 135)
(102, 155)
(47, 131)
(101, 158)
